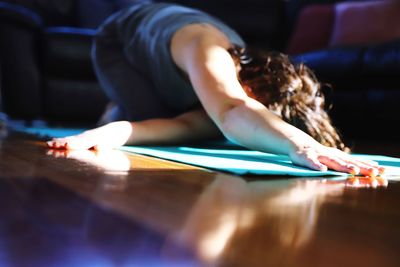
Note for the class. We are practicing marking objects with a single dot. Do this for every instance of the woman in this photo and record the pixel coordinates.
(177, 74)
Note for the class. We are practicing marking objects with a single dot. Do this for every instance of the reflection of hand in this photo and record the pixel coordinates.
(361, 182)
(108, 160)
(320, 157)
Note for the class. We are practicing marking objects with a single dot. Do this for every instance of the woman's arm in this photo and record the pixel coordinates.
(201, 52)
(190, 126)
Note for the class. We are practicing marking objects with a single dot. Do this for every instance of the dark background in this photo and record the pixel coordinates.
(46, 72)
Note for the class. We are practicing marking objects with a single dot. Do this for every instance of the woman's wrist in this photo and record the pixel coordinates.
(114, 134)
(301, 142)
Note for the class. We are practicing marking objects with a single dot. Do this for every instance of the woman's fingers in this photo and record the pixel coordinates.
(347, 163)
(366, 169)
(328, 158)
(368, 164)
(76, 142)
(109, 136)
(338, 164)
(57, 143)
(322, 162)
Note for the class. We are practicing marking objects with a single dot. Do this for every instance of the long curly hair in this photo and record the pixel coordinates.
(290, 91)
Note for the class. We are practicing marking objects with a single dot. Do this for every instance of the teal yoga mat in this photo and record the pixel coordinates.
(225, 156)
(241, 161)
(45, 132)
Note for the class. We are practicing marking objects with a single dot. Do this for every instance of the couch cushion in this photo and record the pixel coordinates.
(366, 22)
(383, 60)
(91, 13)
(88, 18)
(67, 53)
(20, 79)
(312, 30)
(53, 12)
(334, 63)
(10, 13)
(360, 66)
(67, 100)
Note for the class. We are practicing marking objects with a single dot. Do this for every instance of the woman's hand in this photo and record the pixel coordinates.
(319, 157)
(109, 136)
(187, 127)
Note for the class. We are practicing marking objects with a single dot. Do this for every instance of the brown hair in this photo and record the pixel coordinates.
(290, 91)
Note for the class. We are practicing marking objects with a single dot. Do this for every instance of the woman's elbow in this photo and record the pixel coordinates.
(229, 118)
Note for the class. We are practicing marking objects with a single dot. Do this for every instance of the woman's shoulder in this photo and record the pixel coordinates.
(192, 37)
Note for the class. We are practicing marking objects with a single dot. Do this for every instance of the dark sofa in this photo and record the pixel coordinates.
(355, 48)
(47, 73)
(45, 59)
(45, 52)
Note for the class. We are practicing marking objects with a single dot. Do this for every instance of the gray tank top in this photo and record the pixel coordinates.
(145, 31)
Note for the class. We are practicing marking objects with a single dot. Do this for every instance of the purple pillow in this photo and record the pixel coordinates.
(366, 22)
(312, 30)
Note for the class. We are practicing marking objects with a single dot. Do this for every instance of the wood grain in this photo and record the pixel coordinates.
(82, 209)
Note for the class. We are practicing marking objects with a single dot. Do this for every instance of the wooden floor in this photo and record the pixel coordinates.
(116, 209)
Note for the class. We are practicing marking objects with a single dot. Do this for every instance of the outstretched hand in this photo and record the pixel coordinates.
(312, 154)
(109, 136)
(319, 157)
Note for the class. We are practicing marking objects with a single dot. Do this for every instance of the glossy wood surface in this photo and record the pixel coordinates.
(116, 209)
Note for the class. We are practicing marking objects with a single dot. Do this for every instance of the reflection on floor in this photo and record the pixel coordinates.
(71, 209)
